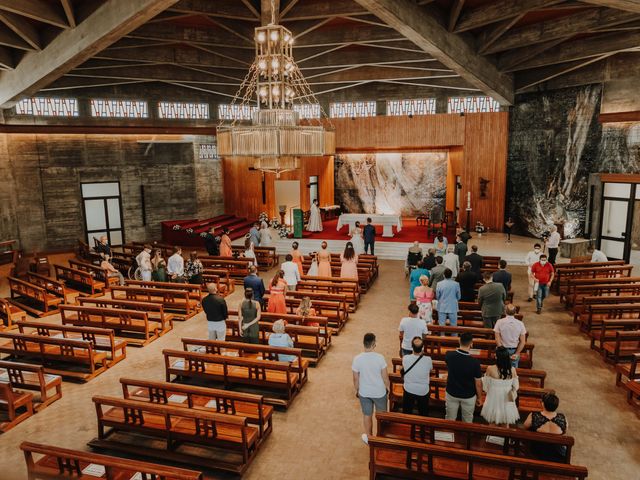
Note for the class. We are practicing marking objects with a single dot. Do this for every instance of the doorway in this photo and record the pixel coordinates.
(287, 194)
(102, 207)
(313, 190)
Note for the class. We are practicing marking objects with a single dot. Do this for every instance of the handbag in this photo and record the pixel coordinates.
(403, 372)
(512, 395)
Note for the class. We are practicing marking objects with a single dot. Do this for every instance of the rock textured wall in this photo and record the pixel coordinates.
(41, 199)
(393, 183)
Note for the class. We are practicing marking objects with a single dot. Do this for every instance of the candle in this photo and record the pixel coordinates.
(468, 200)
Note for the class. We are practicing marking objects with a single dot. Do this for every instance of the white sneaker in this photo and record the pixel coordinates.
(365, 439)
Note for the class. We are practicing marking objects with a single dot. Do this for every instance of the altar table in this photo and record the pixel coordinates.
(387, 222)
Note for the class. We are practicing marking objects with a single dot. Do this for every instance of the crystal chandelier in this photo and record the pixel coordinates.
(275, 137)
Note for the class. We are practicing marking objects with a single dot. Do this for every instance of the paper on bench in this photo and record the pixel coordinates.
(230, 354)
(94, 470)
(495, 440)
(474, 351)
(137, 476)
(177, 398)
(444, 436)
(57, 335)
(212, 404)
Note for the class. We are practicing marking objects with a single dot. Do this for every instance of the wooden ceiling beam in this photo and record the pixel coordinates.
(318, 10)
(213, 37)
(454, 51)
(528, 79)
(73, 83)
(375, 73)
(508, 61)
(67, 6)
(7, 61)
(22, 27)
(252, 8)
(179, 55)
(286, 7)
(627, 5)
(454, 14)
(39, 10)
(74, 46)
(499, 10)
(234, 9)
(361, 35)
(492, 34)
(10, 39)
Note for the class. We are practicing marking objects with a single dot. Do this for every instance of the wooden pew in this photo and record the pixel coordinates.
(224, 442)
(237, 268)
(32, 298)
(25, 376)
(404, 459)
(172, 300)
(594, 315)
(606, 336)
(62, 463)
(155, 311)
(633, 393)
(195, 291)
(630, 371)
(96, 271)
(133, 326)
(10, 314)
(348, 287)
(613, 287)
(226, 285)
(208, 399)
(586, 301)
(102, 339)
(611, 275)
(266, 256)
(564, 271)
(80, 280)
(16, 406)
(366, 274)
(334, 311)
(276, 381)
(484, 350)
(515, 442)
(54, 287)
(477, 332)
(67, 357)
(249, 350)
(323, 296)
(122, 262)
(622, 347)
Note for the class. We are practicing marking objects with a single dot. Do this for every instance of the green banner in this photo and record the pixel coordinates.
(298, 223)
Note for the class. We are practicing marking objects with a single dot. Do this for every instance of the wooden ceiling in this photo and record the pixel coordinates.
(500, 47)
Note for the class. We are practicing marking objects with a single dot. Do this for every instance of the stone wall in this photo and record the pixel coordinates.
(41, 199)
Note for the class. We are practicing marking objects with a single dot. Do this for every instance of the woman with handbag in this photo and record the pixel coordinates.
(500, 382)
(415, 372)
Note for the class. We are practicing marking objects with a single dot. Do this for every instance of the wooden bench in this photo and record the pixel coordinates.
(194, 291)
(10, 314)
(226, 285)
(266, 256)
(490, 264)
(348, 287)
(276, 381)
(102, 339)
(633, 393)
(70, 358)
(334, 311)
(80, 280)
(564, 271)
(366, 275)
(95, 271)
(32, 298)
(16, 406)
(323, 296)
(405, 459)
(62, 463)
(363, 259)
(603, 339)
(586, 301)
(172, 300)
(133, 326)
(613, 287)
(155, 311)
(237, 268)
(630, 370)
(54, 287)
(484, 350)
(477, 332)
(594, 315)
(223, 442)
(515, 442)
(620, 349)
(122, 262)
(25, 376)
(208, 399)
(595, 276)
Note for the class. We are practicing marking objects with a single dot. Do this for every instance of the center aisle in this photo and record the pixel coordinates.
(319, 435)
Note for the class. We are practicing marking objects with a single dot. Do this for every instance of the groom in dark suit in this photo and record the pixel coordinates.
(369, 234)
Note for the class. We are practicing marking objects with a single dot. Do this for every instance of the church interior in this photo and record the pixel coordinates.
(211, 208)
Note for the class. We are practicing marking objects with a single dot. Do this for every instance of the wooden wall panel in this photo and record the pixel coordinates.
(454, 168)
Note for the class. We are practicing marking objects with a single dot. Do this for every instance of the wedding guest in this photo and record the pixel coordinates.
(430, 260)
(175, 265)
(212, 242)
(533, 256)
(491, 297)
(193, 269)
(369, 234)
(144, 263)
(255, 283)
(279, 338)
(475, 260)
(552, 422)
(417, 368)
(414, 278)
(553, 242)
(467, 280)
(437, 273)
(411, 327)
(159, 273)
(424, 296)
(315, 218)
(324, 261)
(500, 382)
(502, 276)
(440, 244)
(215, 307)
(297, 257)
(254, 234)
(249, 314)
(511, 334)
(291, 272)
(305, 309)
(349, 261)
(448, 295)
(460, 249)
(225, 244)
(543, 273)
(277, 290)
(414, 256)
(464, 381)
(103, 248)
(249, 252)
(111, 270)
(451, 261)
(597, 255)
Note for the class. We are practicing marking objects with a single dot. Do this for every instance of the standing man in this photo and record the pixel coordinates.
(460, 249)
(511, 334)
(491, 297)
(216, 309)
(371, 381)
(543, 274)
(369, 234)
(502, 276)
(212, 243)
(553, 242)
(430, 260)
(411, 327)
(451, 261)
(467, 280)
(291, 272)
(437, 273)
(448, 295)
(464, 381)
(175, 266)
(416, 369)
(532, 257)
(254, 234)
(144, 263)
(254, 282)
(475, 260)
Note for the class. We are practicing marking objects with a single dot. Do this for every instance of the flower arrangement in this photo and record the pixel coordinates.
(189, 231)
(203, 234)
(283, 231)
(176, 227)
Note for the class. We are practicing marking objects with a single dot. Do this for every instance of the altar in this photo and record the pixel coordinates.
(387, 222)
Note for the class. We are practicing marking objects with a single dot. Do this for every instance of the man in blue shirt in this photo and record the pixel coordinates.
(448, 295)
(254, 282)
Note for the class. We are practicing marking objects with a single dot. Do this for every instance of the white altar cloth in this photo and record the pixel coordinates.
(387, 222)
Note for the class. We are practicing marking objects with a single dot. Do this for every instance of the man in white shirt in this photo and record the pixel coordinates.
(411, 327)
(532, 257)
(553, 242)
(291, 272)
(597, 255)
(371, 381)
(416, 369)
(451, 261)
(511, 334)
(175, 265)
(144, 263)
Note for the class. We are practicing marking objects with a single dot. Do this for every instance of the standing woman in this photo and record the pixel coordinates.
(356, 239)
(297, 257)
(159, 273)
(414, 278)
(500, 381)
(315, 220)
(193, 269)
(277, 289)
(225, 244)
(313, 269)
(249, 313)
(324, 261)
(349, 261)
(249, 252)
(424, 295)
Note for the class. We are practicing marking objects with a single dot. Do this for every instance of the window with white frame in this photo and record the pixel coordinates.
(236, 111)
(308, 110)
(183, 111)
(477, 104)
(352, 109)
(414, 106)
(119, 108)
(48, 107)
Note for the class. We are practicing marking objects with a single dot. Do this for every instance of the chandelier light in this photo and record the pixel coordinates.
(275, 137)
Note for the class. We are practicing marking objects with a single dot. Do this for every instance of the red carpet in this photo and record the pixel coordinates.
(410, 232)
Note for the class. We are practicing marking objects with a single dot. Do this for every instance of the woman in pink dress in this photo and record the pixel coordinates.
(424, 294)
(349, 261)
(297, 257)
(225, 244)
(277, 290)
(324, 261)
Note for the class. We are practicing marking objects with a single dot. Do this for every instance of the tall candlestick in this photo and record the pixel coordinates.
(468, 200)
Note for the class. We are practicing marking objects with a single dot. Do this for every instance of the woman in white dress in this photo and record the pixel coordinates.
(500, 381)
(313, 269)
(315, 221)
(357, 240)
(248, 251)
(265, 235)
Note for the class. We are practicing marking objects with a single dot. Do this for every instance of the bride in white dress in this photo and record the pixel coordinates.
(265, 235)
(501, 384)
(313, 269)
(315, 221)
(357, 240)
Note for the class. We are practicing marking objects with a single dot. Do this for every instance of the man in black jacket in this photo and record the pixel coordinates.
(475, 260)
(215, 307)
(254, 282)
(369, 234)
(212, 243)
(502, 276)
(467, 280)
